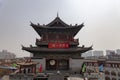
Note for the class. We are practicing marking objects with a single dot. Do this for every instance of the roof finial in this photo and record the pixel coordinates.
(57, 14)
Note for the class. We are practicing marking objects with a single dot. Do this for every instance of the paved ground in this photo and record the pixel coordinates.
(5, 77)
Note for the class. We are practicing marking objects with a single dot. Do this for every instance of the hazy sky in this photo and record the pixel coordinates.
(101, 19)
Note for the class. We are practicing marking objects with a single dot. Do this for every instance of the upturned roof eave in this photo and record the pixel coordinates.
(36, 49)
(40, 28)
(55, 27)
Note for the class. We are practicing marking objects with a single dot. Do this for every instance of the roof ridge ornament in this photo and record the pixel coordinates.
(57, 14)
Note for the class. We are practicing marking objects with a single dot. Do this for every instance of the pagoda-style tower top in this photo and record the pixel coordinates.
(57, 25)
(57, 22)
(57, 37)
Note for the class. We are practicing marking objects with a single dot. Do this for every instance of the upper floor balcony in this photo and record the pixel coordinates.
(46, 42)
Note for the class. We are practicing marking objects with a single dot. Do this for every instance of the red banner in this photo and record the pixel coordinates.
(58, 45)
(40, 69)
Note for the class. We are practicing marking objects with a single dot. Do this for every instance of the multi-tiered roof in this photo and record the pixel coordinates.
(57, 25)
(57, 33)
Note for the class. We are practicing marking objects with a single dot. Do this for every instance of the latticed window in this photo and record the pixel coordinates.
(113, 65)
(107, 72)
(95, 64)
(107, 65)
(90, 64)
(119, 74)
(116, 65)
(114, 79)
(107, 78)
(113, 73)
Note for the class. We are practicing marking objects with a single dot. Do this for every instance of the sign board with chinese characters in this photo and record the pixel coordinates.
(58, 45)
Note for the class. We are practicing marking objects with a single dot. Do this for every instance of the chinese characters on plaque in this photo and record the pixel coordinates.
(58, 45)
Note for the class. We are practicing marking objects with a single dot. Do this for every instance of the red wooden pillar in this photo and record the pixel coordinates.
(33, 69)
